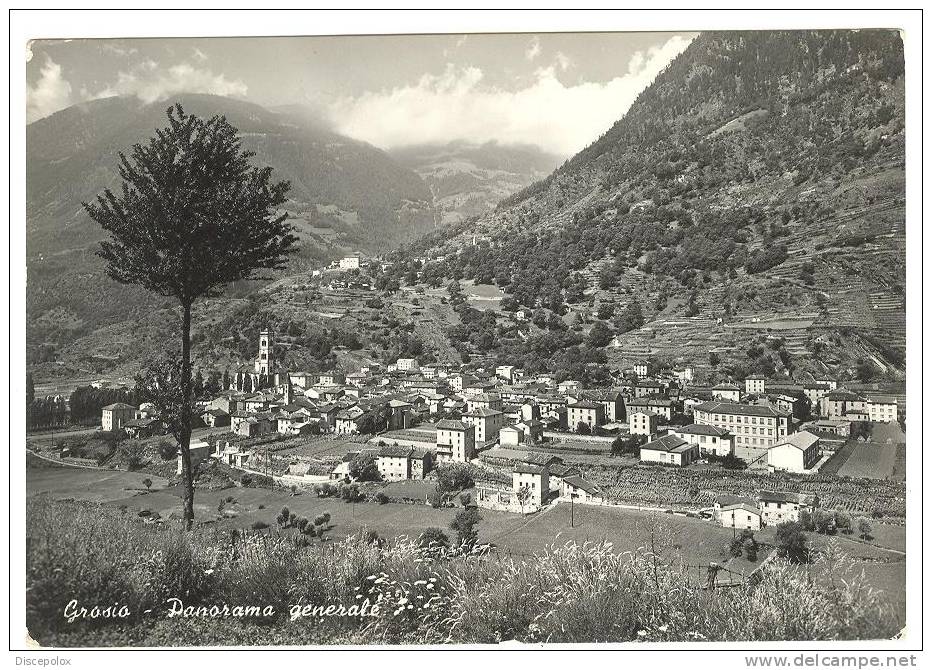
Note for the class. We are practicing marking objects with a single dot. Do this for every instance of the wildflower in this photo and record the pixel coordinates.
(209, 571)
(642, 633)
(663, 628)
(430, 586)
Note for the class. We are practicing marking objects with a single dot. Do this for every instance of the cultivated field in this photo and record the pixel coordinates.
(870, 460)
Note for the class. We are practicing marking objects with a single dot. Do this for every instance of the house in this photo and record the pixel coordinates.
(330, 379)
(587, 412)
(671, 450)
(215, 418)
(422, 462)
(612, 401)
(511, 436)
(727, 500)
(797, 453)
(252, 425)
(641, 369)
(648, 387)
(117, 415)
(576, 488)
(741, 516)
(779, 506)
(535, 479)
(199, 450)
(684, 375)
(754, 385)
(839, 427)
(727, 392)
(757, 426)
(349, 262)
(407, 365)
(505, 372)
(394, 462)
(558, 472)
(487, 422)
(815, 391)
(487, 400)
(881, 409)
(643, 422)
(842, 402)
(568, 386)
(456, 441)
(143, 427)
(659, 406)
(533, 430)
(709, 439)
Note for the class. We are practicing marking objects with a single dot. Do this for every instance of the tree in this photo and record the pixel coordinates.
(464, 525)
(365, 469)
(792, 542)
(192, 216)
(523, 494)
(583, 428)
(864, 528)
(599, 335)
(147, 483)
(30, 389)
(714, 359)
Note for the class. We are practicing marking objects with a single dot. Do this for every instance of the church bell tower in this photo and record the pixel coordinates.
(264, 363)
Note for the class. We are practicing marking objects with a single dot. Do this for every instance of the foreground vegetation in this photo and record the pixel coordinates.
(96, 555)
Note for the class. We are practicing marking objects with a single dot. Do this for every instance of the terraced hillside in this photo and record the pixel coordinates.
(753, 194)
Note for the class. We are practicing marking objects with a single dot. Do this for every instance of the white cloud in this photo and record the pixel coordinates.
(149, 83)
(563, 61)
(199, 55)
(118, 50)
(533, 49)
(457, 106)
(51, 92)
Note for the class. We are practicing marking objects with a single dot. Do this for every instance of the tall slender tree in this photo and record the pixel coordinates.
(192, 216)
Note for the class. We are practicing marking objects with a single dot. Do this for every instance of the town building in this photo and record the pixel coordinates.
(641, 369)
(116, 416)
(727, 392)
(576, 488)
(779, 506)
(797, 453)
(662, 407)
(670, 450)
(643, 422)
(486, 422)
(752, 425)
(755, 385)
(536, 479)
(710, 439)
(407, 365)
(585, 412)
(456, 441)
(350, 262)
(881, 409)
(741, 516)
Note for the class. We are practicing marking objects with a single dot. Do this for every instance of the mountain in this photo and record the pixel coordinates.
(468, 180)
(345, 195)
(746, 213)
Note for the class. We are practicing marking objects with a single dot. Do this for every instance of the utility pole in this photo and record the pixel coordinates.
(572, 499)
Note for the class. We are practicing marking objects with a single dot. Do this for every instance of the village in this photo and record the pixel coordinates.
(527, 440)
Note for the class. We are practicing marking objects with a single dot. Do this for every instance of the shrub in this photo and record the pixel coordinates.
(259, 525)
(433, 538)
(381, 498)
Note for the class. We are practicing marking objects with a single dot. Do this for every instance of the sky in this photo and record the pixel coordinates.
(556, 91)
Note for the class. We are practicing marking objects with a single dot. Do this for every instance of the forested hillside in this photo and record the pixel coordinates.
(753, 195)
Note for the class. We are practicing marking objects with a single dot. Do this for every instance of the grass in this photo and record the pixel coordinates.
(569, 593)
(869, 460)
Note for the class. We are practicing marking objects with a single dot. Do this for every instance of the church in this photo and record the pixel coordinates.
(266, 371)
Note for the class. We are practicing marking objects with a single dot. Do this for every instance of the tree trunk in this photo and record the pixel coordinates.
(185, 445)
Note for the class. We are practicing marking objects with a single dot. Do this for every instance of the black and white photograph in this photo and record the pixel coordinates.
(467, 331)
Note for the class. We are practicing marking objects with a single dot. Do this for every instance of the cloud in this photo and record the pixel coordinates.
(199, 55)
(150, 83)
(117, 50)
(563, 61)
(51, 92)
(533, 49)
(461, 41)
(456, 105)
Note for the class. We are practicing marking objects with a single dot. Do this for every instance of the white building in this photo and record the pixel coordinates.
(456, 441)
(643, 423)
(671, 450)
(741, 516)
(881, 409)
(779, 506)
(407, 365)
(537, 480)
(728, 392)
(117, 415)
(574, 487)
(754, 385)
(709, 439)
(797, 453)
(757, 426)
(349, 262)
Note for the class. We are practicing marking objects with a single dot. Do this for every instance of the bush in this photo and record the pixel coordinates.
(259, 525)
(433, 538)
(792, 542)
(381, 498)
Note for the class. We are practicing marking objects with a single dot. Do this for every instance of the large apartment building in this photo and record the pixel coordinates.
(752, 425)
